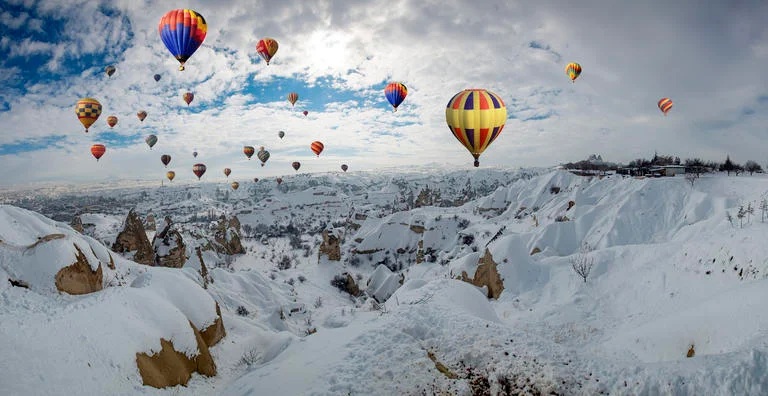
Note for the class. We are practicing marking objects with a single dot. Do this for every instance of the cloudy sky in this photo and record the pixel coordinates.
(709, 57)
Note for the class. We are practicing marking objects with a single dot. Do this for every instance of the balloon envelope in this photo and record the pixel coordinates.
(156, 77)
(665, 105)
(263, 155)
(248, 151)
(344, 167)
(88, 111)
(97, 150)
(267, 47)
(182, 32)
(476, 118)
(305, 112)
(293, 97)
(296, 165)
(170, 175)
(317, 147)
(227, 171)
(110, 70)
(573, 70)
(395, 93)
(281, 134)
(111, 121)
(198, 170)
(188, 97)
(151, 140)
(165, 159)
(235, 185)
(142, 115)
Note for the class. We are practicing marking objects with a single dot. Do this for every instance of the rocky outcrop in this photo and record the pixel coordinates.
(149, 223)
(331, 245)
(227, 236)
(134, 238)
(215, 332)
(486, 275)
(77, 224)
(169, 247)
(79, 278)
(170, 367)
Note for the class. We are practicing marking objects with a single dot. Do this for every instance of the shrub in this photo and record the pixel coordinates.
(554, 190)
(302, 278)
(242, 311)
(285, 263)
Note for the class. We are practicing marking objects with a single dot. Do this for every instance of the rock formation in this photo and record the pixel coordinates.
(331, 245)
(227, 236)
(77, 224)
(486, 275)
(170, 367)
(215, 332)
(79, 278)
(169, 247)
(133, 237)
(149, 223)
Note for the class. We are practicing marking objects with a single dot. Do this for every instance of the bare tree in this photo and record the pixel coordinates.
(582, 263)
(691, 178)
(763, 209)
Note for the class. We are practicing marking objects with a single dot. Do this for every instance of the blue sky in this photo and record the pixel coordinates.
(338, 56)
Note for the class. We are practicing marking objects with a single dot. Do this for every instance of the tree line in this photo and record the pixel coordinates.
(692, 165)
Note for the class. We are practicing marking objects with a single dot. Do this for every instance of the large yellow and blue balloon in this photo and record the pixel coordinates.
(88, 111)
(395, 93)
(182, 32)
(476, 118)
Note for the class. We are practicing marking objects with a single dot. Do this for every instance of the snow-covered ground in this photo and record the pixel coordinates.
(671, 273)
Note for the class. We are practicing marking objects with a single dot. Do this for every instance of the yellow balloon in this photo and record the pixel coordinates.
(476, 118)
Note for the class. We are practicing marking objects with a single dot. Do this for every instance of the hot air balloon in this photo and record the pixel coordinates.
(255, 179)
(235, 185)
(344, 167)
(151, 141)
(281, 134)
(293, 97)
(110, 70)
(665, 104)
(316, 147)
(182, 32)
(194, 154)
(188, 97)
(142, 115)
(170, 175)
(395, 93)
(263, 155)
(296, 165)
(156, 77)
(573, 70)
(198, 170)
(476, 118)
(111, 121)
(248, 151)
(305, 113)
(266, 47)
(98, 150)
(279, 180)
(165, 159)
(88, 111)
(227, 171)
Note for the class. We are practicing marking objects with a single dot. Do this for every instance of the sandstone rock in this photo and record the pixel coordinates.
(133, 237)
(170, 367)
(331, 245)
(79, 278)
(535, 250)
(215, 332)
(77, 224)
(169, 247)
(227, 236)
(419, 229)
(149, 223)
(486, 275)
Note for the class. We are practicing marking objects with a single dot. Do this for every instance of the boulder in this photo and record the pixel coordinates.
(133, 237)
(487, 276)
(215, 332)
(331, 245)
(170, 367)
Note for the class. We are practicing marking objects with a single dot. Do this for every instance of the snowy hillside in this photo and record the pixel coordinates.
(671, 301)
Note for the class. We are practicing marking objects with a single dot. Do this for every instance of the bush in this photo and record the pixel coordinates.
(242, 311)
(285, 263)
(340, 282)
(554, 190)
(302, 278)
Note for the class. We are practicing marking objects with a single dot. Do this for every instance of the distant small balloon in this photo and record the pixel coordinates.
(110, 70)
(194, 154)
(227, 171)
(248, 151)
(305, 112)
(165, 159)
(344, 167)
(142, 115)
(170, 175)
(98, 150)
(296, 165)
(157, 77)
(255, 179)
(188, 97)
(281, 134)
(198, 170)
(317, 147)
(151, 140)
(235, 185)
(279, 180)
(111, 121)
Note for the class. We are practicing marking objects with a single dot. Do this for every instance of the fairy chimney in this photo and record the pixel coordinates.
(486, 275)
(169, 247)
(330, 246)
(134, 238)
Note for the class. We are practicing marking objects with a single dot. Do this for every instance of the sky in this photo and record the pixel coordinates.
(708, 57)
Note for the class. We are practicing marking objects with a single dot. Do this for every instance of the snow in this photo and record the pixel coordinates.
(670, 271)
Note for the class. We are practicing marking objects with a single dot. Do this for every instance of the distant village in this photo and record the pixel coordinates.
(660, 166)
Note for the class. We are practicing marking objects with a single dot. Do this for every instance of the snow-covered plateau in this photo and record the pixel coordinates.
(488, 281)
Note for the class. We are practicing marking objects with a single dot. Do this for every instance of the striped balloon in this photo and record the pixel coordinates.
(573, 70)
(88, 111)
(665, 104)
(476, 118)
(293, 97)
(182, 32)
(263, 155)
(97, 150)
(151, 140)
(395, 93)
(317, 147)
